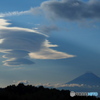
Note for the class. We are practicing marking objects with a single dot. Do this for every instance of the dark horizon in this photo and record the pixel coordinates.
(26, 92)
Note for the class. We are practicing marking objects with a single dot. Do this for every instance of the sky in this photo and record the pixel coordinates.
(48, 41)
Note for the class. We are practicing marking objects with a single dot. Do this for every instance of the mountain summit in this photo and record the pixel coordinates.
(88, 79)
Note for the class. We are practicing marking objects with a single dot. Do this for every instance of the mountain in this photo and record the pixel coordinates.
(90, 80)
(87, 79)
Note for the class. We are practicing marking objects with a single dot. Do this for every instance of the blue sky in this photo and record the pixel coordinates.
(73, 25)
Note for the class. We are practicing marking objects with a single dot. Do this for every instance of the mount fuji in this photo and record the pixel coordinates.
(87, 79)
(88, 82)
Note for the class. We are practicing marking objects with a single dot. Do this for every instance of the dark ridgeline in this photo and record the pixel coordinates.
(29, 92)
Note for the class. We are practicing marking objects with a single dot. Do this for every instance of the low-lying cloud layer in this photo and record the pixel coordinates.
(59, 85)
(19, 44)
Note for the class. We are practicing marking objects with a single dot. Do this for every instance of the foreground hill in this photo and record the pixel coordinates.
(29, 92)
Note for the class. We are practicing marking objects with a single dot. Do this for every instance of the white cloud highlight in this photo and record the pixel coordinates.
(1, 41)
(25, 82)
(3, 23)
(47, 53)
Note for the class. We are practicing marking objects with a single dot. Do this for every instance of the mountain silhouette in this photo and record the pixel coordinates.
(88, 78)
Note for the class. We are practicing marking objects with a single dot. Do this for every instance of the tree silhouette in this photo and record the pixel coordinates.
(29, 92)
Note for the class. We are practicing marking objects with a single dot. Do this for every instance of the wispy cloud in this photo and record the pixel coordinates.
(59, 85)
(20, 43)
(14, 13)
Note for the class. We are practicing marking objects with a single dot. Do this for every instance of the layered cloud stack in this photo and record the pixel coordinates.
(20, 43)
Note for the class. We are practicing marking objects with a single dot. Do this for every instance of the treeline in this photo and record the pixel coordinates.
(29, 92)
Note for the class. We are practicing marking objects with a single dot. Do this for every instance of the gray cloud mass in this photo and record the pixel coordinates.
(72, 9)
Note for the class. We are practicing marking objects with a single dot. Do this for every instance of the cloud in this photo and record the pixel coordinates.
(17, 61)
(48, 29)
(71, 9)
(36, 11)
(21, 44)
(59, 85)
(14, 13)
(25, 82)
(47, 53)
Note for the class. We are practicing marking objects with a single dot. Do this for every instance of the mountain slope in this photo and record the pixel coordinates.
(87, 78)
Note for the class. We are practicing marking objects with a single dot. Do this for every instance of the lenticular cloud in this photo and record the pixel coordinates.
(21, 44)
